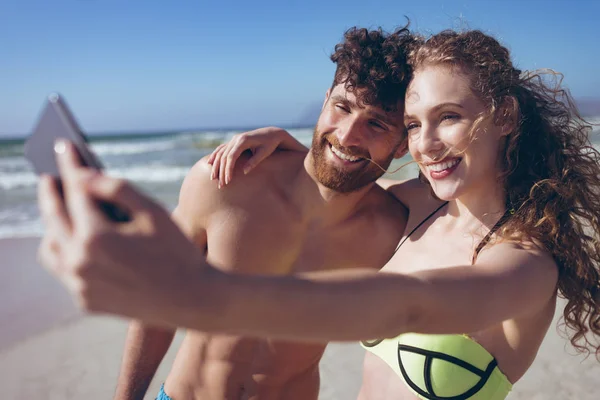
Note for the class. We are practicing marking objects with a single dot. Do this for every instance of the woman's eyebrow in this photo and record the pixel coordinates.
(438, 107)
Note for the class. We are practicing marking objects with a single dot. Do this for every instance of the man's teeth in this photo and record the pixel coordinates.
(344, 156)
(443, 165)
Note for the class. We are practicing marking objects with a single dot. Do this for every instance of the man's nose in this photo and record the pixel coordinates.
(350, 134)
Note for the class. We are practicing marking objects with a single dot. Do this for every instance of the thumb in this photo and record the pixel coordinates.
(257, 157)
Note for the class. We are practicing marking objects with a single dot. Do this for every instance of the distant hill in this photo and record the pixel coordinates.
(589, 107)
(310, 115)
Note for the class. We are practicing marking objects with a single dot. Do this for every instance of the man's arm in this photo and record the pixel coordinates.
(146, 345)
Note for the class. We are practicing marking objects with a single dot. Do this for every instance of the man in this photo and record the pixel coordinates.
(295, 213)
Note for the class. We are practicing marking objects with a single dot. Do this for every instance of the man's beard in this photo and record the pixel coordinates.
(340, 180)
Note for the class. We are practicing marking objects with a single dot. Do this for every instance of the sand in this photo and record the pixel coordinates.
(48, 350)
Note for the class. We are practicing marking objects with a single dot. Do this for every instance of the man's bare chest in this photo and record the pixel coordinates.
(277, 243)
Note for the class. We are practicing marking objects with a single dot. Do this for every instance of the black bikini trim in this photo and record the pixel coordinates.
(371, 343)
(429, 355)
(427, 375)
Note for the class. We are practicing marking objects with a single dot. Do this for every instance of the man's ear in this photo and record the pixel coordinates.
(402, 149)
(327, 94)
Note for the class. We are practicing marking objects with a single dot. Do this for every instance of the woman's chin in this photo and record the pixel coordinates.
(445, 193)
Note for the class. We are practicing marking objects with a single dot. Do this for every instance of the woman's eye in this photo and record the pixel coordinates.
(411, 126)
(449, 117)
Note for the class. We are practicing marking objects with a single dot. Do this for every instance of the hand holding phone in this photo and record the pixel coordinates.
(57, 122)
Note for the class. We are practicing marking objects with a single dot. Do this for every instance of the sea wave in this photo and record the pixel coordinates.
(150, 173)
(17, 179)
(138, 173)
(14, 163)
(25, 229)
(132, 147)
(11, 150)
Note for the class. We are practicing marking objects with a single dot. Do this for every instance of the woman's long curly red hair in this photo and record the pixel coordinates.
(551, 173)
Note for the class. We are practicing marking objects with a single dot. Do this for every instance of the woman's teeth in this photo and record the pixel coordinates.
(344, 156)
(443, 165)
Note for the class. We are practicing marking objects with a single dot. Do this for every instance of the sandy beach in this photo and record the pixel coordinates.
(48, 350)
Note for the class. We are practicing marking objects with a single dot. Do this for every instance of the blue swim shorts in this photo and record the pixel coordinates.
(162, 395)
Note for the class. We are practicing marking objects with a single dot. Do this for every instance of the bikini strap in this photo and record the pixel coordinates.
(420, 224)
(487, 237)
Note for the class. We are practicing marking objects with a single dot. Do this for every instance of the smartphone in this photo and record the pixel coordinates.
(57, 122)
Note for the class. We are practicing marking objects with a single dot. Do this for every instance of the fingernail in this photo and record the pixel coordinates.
(60, 146)
(247, 169)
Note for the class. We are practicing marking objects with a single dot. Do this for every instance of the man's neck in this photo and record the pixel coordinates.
(318, 203)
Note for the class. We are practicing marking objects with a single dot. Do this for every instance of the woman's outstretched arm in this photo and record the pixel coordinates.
(147, 269)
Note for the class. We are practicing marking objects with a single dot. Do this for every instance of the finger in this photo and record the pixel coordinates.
(51, 258)
(217, 163)
(118, 192)
(223, 166)
(212, 156)
(260, 154)
(232, 158)
(83, 211)
(47, 254)
(52, 207)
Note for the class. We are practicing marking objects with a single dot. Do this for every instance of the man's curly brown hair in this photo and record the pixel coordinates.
(551, 173)
(372, 64)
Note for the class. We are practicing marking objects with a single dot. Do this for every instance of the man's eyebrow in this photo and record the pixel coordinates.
(437, 108)
(342, 99)
(383, 118)
(372, 113)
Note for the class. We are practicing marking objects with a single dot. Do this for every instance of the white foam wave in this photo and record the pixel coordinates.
(13, 180)
(150, 173)
(141, 173)
(26, 229)
(132, 147)
(304, 135)
(14, 162)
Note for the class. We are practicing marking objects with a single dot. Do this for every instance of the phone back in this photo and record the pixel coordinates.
(56, 122)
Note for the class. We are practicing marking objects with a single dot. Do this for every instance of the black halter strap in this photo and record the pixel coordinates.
(421, 224)
(487, 237)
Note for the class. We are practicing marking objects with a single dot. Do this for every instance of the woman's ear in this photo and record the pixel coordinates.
(506, 115)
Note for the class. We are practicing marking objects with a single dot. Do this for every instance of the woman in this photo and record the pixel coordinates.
(475, 280)
(509, 157)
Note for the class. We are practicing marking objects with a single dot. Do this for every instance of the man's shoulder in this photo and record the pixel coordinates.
(199, 184)
(412, 192)
(384, 208)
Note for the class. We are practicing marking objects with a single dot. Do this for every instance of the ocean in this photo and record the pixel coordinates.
(155, 163)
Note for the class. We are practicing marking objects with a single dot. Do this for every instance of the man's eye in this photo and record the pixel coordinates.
(342, 108)
(378, 125)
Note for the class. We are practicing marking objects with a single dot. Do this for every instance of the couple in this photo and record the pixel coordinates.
(503, 218)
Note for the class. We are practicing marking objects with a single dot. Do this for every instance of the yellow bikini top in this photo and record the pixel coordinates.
(443, 367)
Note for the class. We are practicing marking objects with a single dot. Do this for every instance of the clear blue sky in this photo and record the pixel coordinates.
(128, 65)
